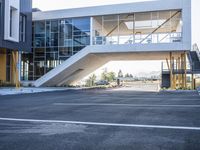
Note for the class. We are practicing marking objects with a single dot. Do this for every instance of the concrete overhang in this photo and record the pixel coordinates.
(146, 6)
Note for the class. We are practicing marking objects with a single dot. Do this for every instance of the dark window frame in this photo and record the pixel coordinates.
(22, 28)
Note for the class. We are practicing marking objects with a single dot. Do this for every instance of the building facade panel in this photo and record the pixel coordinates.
(15, 37)
(25, 10)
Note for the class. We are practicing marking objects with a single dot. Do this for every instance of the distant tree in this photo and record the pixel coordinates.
(91, 80)
(108, 76)
(127, 75)
(104, 76)
(111, 76)
(120, 74)
(131, 76)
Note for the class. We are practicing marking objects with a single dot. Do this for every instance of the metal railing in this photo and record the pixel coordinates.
(139, 38)
(190, 67)
(196, 48)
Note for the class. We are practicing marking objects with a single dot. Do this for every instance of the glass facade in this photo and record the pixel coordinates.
(143, 28)
(54, 41)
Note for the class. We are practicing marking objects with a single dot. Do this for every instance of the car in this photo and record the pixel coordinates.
(102, 82)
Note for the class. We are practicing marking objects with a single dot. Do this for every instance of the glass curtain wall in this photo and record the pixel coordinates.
(144, 28)
(54, 41)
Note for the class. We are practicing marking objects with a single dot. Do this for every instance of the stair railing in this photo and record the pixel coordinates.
(160, 26)
(196, 48)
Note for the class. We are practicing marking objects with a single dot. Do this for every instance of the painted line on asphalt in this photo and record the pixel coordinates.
(126, 105)
(102, 124)
(159, 99)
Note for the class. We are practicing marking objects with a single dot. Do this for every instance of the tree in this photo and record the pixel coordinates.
(111, 76)
(127, 75)
(108, 76)
(104, 76)
(91, 81)
(131, 76)
(120, 74)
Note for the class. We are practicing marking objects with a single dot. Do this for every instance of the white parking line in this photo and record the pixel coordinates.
(127, 105)
(102, 124)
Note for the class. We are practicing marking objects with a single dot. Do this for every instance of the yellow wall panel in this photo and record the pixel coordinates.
(3, 65)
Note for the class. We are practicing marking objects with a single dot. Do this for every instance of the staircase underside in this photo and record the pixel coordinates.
(92, 57)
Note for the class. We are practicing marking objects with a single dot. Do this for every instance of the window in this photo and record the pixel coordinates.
(39, 35)
(13, 15)
(40, 27)
(11, 21)
(82, 24)
(54, 26)
(57, 40)
(22, 28)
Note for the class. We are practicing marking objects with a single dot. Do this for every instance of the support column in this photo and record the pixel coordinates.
(179, 69)
(182, 71)
(2, 65)
(185, 70)
(15, 72)
(192, 85)
(174, 73)
(171, 72)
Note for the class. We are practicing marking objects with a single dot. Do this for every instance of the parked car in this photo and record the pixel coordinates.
(102, 82)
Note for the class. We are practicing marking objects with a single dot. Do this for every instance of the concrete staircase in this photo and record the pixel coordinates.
(73, 69)
(194, 59)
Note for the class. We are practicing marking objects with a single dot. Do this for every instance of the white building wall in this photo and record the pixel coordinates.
(196, 22)
(186, 16)
(15, 5)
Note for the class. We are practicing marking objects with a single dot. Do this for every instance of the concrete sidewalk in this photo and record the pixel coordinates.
(26, 90)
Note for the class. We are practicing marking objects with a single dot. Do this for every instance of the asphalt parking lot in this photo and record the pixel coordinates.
(100, 120)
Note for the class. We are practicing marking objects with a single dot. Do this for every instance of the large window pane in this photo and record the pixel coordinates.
(40, 27)
(54, 39)
(82, 24)
(39, 42)
(54, 26)
(65, 35)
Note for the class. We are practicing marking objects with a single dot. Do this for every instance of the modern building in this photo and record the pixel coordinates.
(69, 44)
(15, 37)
